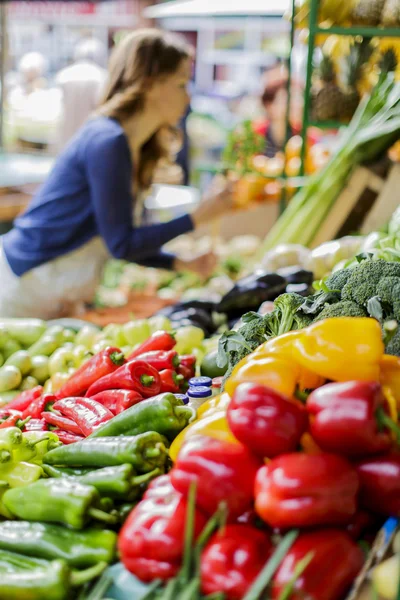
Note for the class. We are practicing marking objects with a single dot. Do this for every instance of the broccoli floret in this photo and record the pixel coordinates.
(254, 329)
(302, 320)
(338, 280)
(393, 347)
(345, 308)
(388, 292)
(363, 282)
(286, 306)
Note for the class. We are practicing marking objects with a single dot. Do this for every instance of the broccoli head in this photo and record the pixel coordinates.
(388, 292)
(284, 314)
(393, 347)
(338, 280)
(364, 280)
(345, 308)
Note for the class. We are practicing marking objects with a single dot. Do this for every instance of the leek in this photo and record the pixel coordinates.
(374, 127)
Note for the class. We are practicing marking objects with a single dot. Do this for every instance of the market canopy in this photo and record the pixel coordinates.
(223, 8)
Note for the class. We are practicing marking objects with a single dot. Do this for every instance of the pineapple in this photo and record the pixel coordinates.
(355, 64)
(368, 12)
(391, 13)
(326, 100)
(388, 61)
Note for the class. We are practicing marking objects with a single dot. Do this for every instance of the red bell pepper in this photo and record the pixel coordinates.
(66, 437)
(118, 400)
(380, 484)
(302, 490)
(335, 561)
(24, 399)
(222, 472)
(38, 405)
(36, 425)
(160, 340)
(151, 542)
(189, 361)
(53, 418)
(170, 381)
(87, 413)
(161, 359)
(266, 421)
(105, 362)
(186, 372)
(349, 418)
(136, 375)
(232, 560)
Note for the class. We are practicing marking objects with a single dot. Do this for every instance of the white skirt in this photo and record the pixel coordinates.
(55, 288)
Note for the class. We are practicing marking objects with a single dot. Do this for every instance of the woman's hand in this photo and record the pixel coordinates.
(217, 201)
(203, 265)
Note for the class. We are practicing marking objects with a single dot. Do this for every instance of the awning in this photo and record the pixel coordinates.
(217, 8)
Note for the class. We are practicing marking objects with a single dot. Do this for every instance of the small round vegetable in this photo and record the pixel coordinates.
(10, 378)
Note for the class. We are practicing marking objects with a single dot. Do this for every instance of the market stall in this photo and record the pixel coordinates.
(235, 439)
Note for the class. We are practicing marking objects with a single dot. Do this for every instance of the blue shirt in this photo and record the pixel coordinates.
(88, 193)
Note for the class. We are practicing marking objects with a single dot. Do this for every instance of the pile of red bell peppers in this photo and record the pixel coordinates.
(333, 489)
(101, 388)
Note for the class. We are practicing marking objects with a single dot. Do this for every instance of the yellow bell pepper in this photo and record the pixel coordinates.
(218, 403)
(275, 372)
(341, 349)
(390, 375)
(214, 426)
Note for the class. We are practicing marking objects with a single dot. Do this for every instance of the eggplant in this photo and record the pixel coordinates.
(296, 275)
(249, 293)
(194, 314)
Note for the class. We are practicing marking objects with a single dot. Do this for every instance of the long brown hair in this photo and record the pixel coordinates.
(140, 58)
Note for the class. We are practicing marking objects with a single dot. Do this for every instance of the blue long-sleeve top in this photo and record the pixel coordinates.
(87, 194)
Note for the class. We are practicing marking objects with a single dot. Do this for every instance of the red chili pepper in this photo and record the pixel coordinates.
(185, 372)
(87, 413)
(350, 418)
(53, 418)
(66, 437)
(302, 490)
(23, 400)
(335, 561)
(232, 560)
(266, 421)
(222, 472)
(380, 484)
(151, 542)
(161, 359)
(36, 425)
(136, 375)
(170, 381)
(160, 340)
(189, 361)
(13, 420)
(118, 400)
(38, 405)
(105, 362)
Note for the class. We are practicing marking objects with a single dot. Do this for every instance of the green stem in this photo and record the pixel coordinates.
(385, 421)
(151, 592)
(100, 515)
(271, 566)
(100, 588)
(151, 452)
(298, 570)
(139, 479)
(78, 578)
(146, 380)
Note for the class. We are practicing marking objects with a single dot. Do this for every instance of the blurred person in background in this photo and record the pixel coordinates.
(30, 77)
(82, 85)
(53, 257)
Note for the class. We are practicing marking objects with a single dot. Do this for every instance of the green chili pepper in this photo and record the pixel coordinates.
(43, 540)
(12, 435)
(61, 361)
(25, 331)
(48, 343)
(164, 413)
(10, 378)
(21, 360)
(145, 452)
(20, 474)
(5, 452)
(68, 335)
(4, 335)
(35, 444)
(9, 348)
(26, 578)
(28, 383)
(3, 511)
(56, 500)
(124, 510)
(86, 336)
(40, 368)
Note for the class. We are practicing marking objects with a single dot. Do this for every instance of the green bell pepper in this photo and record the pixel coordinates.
(40, 368)
(145, 452)
(25, 331)
(10, 378)
(79, 549)
(56, 501)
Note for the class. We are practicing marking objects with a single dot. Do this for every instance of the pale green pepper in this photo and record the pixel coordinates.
(4, 335)
(159, 323)
(4, 512)
(25, 331)
(56, 382)
(86, 336)
(1, 360)
(188, 338)
(9, 348)
(47, 344)
(101, 345)
(136, 332)
(61, 361)
(81, 354)
(6, 397)
(116, 334)
(34, 446)
(40, 368)
(28, 383)
(10, 378)
(20, 474)
(11, 435)
(21, 360)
